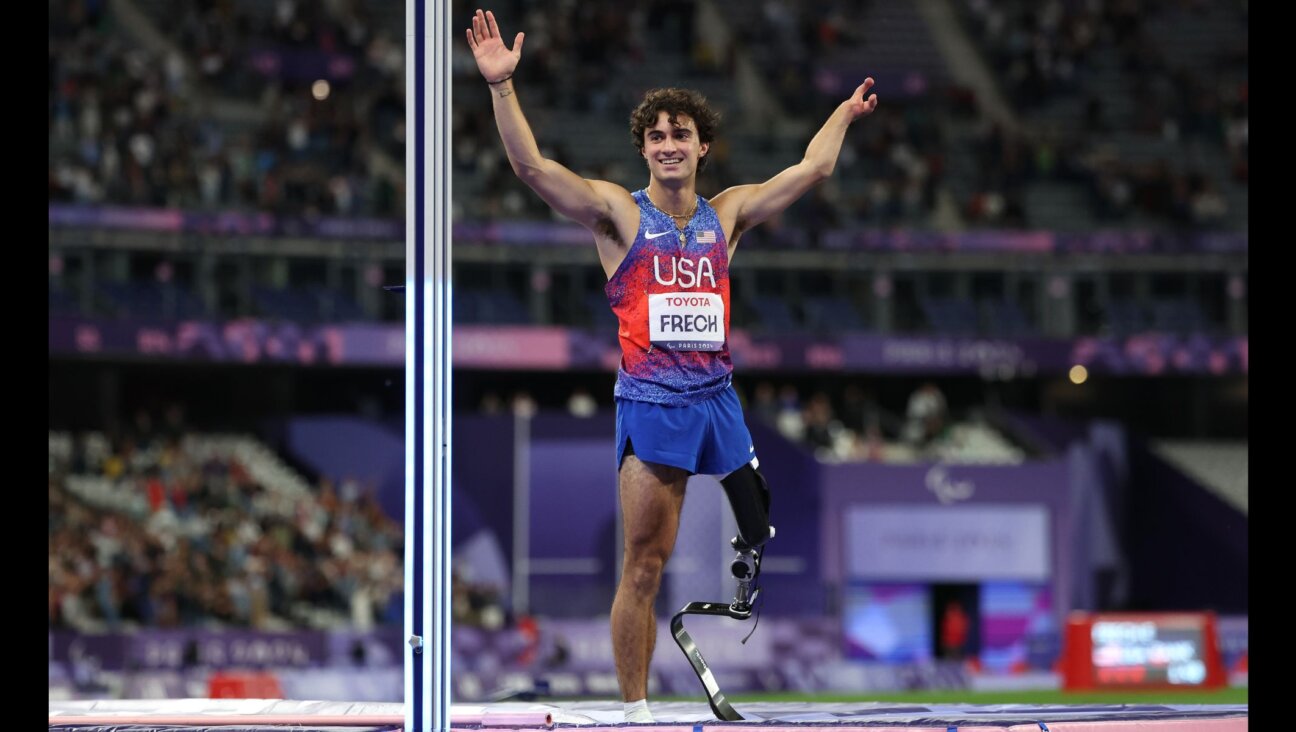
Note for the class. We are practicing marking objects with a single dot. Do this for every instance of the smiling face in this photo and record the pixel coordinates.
(673, 129)
(673, 149)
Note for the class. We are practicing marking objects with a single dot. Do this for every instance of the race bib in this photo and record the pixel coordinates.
(685, 321)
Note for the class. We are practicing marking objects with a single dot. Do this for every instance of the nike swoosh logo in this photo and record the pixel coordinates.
(652, 235)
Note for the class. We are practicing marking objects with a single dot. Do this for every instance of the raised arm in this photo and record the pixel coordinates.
(749, 205)
(588, 202)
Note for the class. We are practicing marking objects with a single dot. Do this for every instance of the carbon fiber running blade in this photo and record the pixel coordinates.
(719, 705)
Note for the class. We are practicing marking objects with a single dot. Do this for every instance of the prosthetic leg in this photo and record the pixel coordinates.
(749, 498)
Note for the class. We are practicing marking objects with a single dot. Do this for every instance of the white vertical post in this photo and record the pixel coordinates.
(427, 365)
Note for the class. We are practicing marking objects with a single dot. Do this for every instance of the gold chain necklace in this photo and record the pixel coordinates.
(688, 215)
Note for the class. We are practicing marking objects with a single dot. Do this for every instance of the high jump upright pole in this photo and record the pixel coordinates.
(427, 365)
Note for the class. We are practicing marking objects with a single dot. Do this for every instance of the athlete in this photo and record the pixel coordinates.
(666, 253)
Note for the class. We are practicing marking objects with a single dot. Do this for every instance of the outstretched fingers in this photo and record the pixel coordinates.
(480, 27)
(484, 28)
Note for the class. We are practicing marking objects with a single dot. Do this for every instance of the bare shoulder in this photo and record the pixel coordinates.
(611, 191)
(730, 200)
(617, 197)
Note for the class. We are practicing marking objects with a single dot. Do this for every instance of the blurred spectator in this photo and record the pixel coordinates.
(133, 124)
(524, 405)
(858, 410)
(855, 427)
(821, 426)
(954, 631)
(126, 125)
(491, 403)
(475, 604)
(925, 416)
(764, 405)
(212, 545)
(581, 404)
(790, 421)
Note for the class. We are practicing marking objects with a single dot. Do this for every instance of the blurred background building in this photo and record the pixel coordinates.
(1025, 288)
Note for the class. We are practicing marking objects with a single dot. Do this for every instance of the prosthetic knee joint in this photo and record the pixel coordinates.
(749, 497)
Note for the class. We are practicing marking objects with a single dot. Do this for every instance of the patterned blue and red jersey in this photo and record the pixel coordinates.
(671, 298)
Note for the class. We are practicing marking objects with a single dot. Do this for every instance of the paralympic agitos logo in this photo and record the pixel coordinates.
(948, 490)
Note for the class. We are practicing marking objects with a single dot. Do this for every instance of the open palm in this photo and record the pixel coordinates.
(494, 60)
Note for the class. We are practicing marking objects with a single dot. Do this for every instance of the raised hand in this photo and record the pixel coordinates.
(494, 61)
(859, 106)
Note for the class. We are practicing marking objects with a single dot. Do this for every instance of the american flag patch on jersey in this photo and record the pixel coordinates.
(706, 237)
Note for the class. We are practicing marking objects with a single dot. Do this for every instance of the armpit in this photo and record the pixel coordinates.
(606, 229)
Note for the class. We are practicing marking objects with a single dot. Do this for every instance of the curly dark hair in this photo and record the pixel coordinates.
(673, 102)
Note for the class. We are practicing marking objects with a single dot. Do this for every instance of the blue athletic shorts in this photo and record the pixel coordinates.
(707, 438)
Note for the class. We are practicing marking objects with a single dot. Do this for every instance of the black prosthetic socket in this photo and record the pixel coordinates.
(749, 497)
